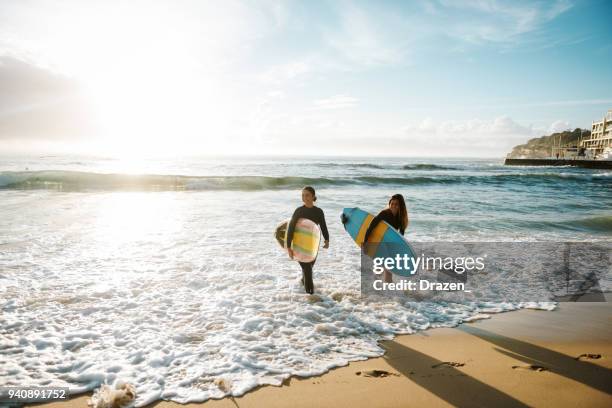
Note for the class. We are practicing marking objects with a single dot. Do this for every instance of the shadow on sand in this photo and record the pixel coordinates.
(446, 382)
(584, 372)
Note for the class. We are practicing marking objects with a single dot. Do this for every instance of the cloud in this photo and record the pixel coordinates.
(574, 102)
(276, 94)
(478, 137)
(284, 72)
(38, 104)
(336, 102)
(502, 125)
(480, 21)
(364, 37)
(361, 36)
(474, 137)
(23, 84)
(559, 126)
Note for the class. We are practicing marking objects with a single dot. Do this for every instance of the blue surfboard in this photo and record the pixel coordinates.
(384, 241)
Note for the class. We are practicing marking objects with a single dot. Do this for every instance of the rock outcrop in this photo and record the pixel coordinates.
(541, 147)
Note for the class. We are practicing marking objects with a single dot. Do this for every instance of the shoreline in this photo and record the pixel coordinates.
(519, 358)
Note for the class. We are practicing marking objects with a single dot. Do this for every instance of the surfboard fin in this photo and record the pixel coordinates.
(344, 218)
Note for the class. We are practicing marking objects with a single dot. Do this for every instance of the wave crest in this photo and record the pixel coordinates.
(426, 166)
(81, 181)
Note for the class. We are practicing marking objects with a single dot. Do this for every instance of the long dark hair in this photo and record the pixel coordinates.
(403, 213)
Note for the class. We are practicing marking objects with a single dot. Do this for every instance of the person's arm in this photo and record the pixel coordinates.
(291, 227)
(375, 221)
(324, 231)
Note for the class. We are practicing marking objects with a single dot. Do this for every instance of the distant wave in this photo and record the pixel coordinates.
(596, 224)
(81, 181)
(601, 223)
(418, 166)
(358, 165)
(425, 166)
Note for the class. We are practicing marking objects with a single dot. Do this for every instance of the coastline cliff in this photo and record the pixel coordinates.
(541, 147)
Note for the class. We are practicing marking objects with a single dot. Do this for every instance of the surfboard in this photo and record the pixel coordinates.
(306, 239)
(384, 241)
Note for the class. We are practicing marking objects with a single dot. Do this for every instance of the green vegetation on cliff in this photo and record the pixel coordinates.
(541, 147)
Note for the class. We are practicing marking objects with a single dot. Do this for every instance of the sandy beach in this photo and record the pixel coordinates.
(516, 359)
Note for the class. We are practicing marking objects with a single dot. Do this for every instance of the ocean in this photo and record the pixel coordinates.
(165, 273)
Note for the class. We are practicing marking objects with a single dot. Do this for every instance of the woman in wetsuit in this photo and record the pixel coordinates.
(315, 214)
(395, 215)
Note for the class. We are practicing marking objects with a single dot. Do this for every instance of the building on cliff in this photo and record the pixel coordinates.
(600, 141)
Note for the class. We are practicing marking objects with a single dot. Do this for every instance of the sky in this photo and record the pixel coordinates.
(364, 78)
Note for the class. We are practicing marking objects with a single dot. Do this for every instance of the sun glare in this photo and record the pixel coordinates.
(149, 76)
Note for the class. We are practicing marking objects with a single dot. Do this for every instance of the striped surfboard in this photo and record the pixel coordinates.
(306, 239)
(356, 222)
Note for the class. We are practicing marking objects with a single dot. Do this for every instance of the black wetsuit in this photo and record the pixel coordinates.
(385, 215)
(314, 214)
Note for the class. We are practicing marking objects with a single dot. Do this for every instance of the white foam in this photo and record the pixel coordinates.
(92, 303)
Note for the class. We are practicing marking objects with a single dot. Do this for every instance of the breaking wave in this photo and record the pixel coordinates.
(83, 181)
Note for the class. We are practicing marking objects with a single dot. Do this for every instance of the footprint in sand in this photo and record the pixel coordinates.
(588, 356)
(531, 367)
(448, 364)
(376, 373)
